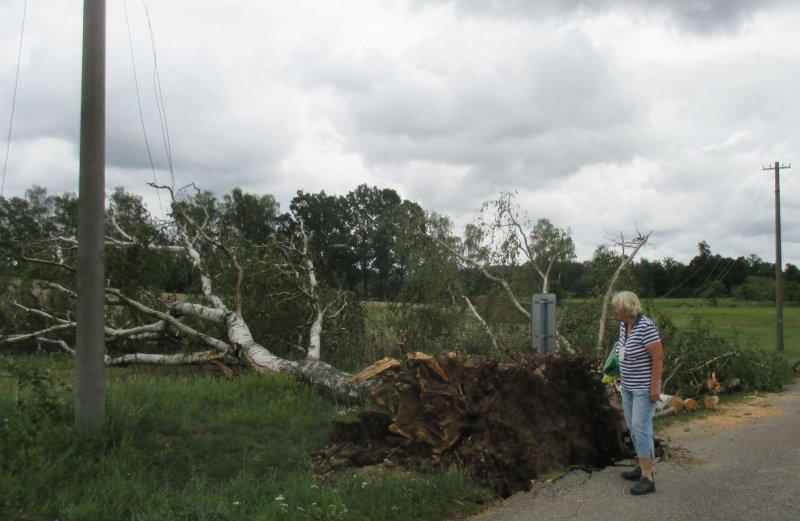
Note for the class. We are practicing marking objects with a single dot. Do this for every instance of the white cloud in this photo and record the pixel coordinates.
(606, 116)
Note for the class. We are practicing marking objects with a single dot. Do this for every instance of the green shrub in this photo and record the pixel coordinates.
(35, 404)
(694, 353)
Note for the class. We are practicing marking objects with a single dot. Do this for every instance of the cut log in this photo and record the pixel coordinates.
(710, 401)
(690, 404)
(677, 403)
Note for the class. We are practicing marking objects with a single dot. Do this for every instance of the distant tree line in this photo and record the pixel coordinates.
(368, 242)
(707, 275)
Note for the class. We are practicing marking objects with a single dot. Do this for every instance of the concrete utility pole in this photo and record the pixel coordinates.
(778, 262)
(90, 385)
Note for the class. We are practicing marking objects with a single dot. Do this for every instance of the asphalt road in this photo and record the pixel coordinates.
(742, 462)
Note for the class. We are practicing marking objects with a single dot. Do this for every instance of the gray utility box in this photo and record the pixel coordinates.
(543, 322)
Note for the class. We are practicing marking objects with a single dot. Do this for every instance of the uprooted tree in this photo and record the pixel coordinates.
(508, 423)
(181, 290)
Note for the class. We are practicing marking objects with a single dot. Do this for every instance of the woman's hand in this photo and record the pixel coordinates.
(656, 351)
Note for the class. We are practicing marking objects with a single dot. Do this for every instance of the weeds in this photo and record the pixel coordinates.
(193, 447)
(696, 352)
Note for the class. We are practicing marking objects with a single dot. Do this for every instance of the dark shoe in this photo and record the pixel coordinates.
(643, 486)
(633, 475)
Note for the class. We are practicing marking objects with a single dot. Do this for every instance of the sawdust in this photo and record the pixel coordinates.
(724, 417)
(727, 416)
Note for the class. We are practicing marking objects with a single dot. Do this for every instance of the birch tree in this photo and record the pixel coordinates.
(502, 237)
(210, 321)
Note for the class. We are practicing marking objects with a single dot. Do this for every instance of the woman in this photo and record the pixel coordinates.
(641, 361)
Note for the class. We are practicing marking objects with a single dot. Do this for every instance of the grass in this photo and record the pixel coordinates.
(751, 325)
(196, 447)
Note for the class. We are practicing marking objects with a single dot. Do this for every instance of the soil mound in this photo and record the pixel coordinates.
(505, 423)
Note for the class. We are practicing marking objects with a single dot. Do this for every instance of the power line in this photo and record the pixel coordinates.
(14, 98)
(718, 280)
(139, 102)
(162, 111)
(746, 217)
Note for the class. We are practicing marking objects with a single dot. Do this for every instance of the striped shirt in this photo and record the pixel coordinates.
(636, 368)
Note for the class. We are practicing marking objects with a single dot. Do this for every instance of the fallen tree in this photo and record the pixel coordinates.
(219, 329)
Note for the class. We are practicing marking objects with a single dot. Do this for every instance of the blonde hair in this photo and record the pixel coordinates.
(628, 301)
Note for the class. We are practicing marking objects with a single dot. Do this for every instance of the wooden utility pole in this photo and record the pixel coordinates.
(778, 261)
(90, 386)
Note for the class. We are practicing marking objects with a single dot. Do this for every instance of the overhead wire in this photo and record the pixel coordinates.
(791, 204)
(162, 112)
(718, 280)
(746, 217)
(139, 102)
(14, 98)
(788, 184)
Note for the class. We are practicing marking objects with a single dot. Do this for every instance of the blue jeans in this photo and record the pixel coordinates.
(639, 417)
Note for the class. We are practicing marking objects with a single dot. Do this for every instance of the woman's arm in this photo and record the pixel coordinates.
(656, 351)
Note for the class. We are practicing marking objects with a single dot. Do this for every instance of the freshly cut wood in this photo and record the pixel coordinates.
(677, 403)
(710, 401)
(430, 362)
(690, 404)
(375, 369)
(710, 385)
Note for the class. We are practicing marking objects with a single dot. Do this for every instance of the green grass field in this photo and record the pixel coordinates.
(750, 325)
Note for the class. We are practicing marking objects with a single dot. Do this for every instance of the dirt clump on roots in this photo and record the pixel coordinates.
(505, 423)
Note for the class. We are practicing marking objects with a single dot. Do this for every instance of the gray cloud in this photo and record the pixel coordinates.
(544, 112)
(696, 16)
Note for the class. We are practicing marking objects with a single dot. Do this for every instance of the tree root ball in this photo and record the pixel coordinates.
(504, 423)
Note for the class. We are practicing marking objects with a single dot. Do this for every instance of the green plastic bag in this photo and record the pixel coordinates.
(611, 367)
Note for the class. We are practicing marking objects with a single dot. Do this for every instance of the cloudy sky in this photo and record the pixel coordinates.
(606, 116)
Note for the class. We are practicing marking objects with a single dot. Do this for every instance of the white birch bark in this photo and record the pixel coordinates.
(514, 301)
(483, 323)
(604, 309)
(239, 344)
(202, 357)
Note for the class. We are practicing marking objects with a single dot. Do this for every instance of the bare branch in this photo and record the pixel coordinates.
(200, 229)
(154, 330)
(44, 262)
(202, 357)
(678, 364)
(10, 339)
(485, 272)
(482, 322)
(59, 288)
(709, 362)
(60, 343)
(115, 224)
(639, 242)
(212, 342)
